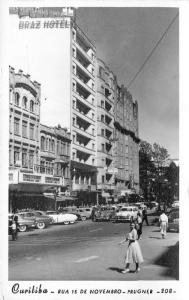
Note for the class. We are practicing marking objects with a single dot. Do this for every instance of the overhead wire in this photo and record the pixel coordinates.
(152, 51)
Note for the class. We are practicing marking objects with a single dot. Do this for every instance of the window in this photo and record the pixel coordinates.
(73, 121)
(73, 156)
(31, 105)
(102, 147)
(16, 126)
(53, 146)
(102, 118)
(92, 101)
(24, 159)
(102, 132)
(24, 102)
(93, 146)
(16, 155)
(92, 116)
(102, 103)
(16, 99)
(93, 86)
(92, 71)
(73, 138)
(31, 131)
(73, 52)
(93, 131)
(103, 178)
(42, 143)
(93, 161)
(24, 129)
(126, 149)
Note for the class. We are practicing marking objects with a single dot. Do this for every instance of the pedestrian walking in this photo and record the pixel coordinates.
(13, 230)
(133, 253)
(139, 225)
(163, 220)
(145, 216)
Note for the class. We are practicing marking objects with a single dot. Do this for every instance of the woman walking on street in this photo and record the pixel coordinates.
(133, 253)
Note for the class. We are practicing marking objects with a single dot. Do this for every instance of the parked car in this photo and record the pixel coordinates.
(103, 214)
(62, 218)
(40, 221)
(175, 204)
(173, 218)
(85, 212)
(128, 213)
(24, 223)
(73, 210)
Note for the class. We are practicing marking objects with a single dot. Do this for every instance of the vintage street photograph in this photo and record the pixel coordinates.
(93, 144)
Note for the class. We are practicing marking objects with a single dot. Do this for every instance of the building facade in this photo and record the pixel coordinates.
(105, 99)
(83, 111)
(55, 147)
(29, 178)
(126, 145)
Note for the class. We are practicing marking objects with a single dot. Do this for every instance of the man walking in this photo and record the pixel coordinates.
(163, 220)
(145, 216)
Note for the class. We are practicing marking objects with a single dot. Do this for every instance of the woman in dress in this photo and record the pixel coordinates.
(133, 254)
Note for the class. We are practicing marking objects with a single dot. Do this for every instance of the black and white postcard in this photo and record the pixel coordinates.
(91, 180)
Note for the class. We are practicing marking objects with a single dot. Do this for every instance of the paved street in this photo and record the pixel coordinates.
(89, 251)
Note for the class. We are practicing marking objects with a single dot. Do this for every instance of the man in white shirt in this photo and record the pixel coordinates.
(163, 220)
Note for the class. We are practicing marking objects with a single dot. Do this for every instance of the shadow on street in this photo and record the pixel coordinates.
(170, 259)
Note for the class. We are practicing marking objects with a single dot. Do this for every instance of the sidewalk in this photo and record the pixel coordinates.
(161, 256)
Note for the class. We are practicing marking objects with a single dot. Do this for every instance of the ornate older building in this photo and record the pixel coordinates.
(31, 171)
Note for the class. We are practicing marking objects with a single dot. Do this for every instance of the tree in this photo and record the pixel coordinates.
(152, 160)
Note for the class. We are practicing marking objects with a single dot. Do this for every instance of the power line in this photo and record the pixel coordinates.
(154, 48)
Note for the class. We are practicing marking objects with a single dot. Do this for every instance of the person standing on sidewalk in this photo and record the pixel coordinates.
(145, 216)
(163, 220)
(133, 253)
(139, 225)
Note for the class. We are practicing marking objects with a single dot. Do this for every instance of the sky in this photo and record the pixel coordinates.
(124, 37)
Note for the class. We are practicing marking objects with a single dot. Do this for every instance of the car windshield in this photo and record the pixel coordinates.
(27, 214)
(51, 213)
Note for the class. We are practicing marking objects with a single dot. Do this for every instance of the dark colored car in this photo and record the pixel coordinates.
(24, 223)
(41, 221)
(173, 220)
(103, 214)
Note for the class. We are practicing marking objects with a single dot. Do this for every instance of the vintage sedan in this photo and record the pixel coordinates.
(24, 223)
(62, 218)
(103, 214)
(173, 220)
(40, 220)
(128, 213)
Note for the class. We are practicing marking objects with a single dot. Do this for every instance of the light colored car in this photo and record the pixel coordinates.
(128, 213)
(175, 204)
(85, 212)
(62, 218)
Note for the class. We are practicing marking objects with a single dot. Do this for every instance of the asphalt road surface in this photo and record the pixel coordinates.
(89, 251)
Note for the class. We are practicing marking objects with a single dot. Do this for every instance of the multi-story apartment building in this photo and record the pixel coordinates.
(27, 178)
(83, 111)
(126, 151)
(105, 97)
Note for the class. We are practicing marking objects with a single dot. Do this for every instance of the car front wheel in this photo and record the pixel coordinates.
(22, 228)
(66, 222)
(40, 225)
